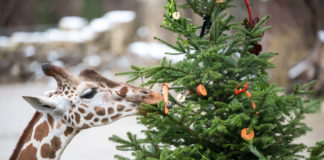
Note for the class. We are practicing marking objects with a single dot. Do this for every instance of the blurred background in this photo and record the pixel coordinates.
(109, 36)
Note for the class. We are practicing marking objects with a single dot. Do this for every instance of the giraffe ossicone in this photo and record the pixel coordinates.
(81, 102)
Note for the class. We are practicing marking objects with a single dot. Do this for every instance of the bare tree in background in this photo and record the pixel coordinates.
(295, 24)
(15, 12)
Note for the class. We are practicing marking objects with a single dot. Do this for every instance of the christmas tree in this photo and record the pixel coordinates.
(226, 108)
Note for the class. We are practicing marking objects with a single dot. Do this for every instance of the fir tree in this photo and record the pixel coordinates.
(225, 55)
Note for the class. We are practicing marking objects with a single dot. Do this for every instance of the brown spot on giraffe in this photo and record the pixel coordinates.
(66, 92)
(118, 99)
(123, 92)
(84, 105)
(49, 150)
(116, 116)
(128, 110)
(105, 120)
(110, 110)
(120, 107)
(96, 120)
(59, 124)
(50, 120)
(77, 117)
(68, 131)
(85, 126)
(70, 110)
(89, 116)
(100, 111)
(41, 131)
(29, 153)
(81, 110)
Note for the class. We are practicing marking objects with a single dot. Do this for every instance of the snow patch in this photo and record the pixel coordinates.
(111, 19)
(72, 23)
(29, 51)
(92, 61)
(4, 41)
(297, 70)
(72, 29)
(143, 31)
(53, 56)
(154, 50)
(58, 63)
(35, 67)
(52, 35)
(320, 35)
(15, 70)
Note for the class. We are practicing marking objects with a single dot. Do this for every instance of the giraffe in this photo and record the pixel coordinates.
(81, 102)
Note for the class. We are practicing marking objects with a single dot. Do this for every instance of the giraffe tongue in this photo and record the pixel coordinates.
(60, 74)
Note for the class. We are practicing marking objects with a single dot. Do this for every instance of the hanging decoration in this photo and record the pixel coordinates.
(244, 133)
(239, 91)
(176, 15)
(207, 23)
(165, 93)
(247, 134)
(249, 25)
(247, 92)
(181, 97)
(201, 90)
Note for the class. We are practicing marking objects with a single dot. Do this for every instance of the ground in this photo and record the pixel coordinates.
(92, 143)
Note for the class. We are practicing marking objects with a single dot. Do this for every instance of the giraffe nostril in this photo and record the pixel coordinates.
(145, 92)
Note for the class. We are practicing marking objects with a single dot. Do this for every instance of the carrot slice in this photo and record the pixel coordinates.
(248, 94)
(253, 105)
(247, 134)
(201, 90)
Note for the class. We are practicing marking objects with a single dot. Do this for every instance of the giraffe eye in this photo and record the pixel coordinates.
(89, 94)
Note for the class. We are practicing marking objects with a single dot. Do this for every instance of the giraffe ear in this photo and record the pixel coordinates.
(41, 104)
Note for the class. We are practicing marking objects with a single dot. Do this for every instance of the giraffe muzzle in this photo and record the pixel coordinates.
(153, 98)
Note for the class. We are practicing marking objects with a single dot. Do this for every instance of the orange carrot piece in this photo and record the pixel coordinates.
(248, 94)
(247, 134)
(201, 90)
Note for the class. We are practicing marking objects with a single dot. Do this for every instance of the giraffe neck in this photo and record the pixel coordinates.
(44, 138)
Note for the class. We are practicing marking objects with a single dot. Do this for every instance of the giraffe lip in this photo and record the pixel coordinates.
(153, 99)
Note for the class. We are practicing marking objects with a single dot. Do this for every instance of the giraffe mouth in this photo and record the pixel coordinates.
(153, 98)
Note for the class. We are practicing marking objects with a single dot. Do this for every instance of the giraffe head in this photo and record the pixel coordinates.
(90, 99)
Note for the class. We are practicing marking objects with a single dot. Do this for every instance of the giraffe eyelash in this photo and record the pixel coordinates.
(89, 93)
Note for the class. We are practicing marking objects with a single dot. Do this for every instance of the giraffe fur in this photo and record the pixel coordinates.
(88, 100)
